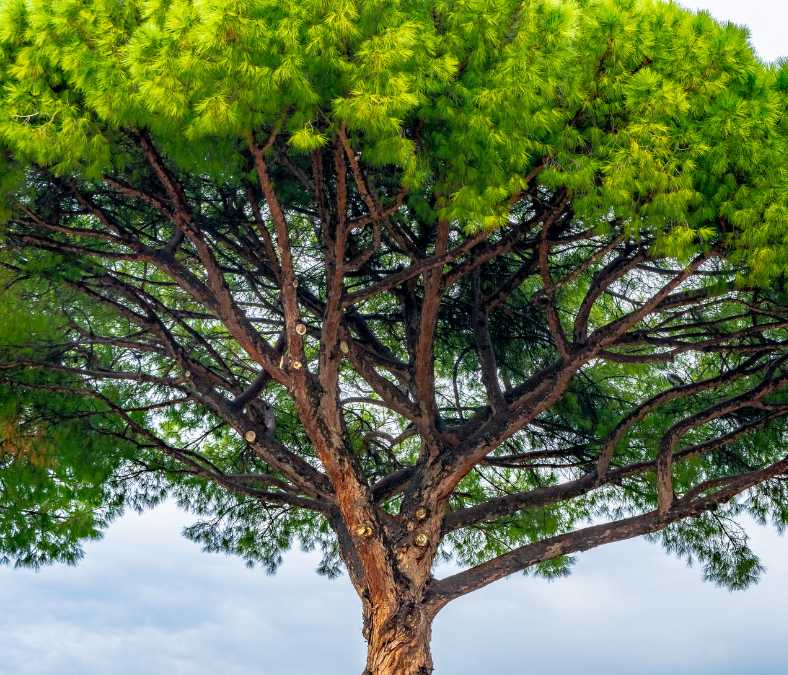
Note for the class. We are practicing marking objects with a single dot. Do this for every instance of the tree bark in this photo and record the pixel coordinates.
(398, 639)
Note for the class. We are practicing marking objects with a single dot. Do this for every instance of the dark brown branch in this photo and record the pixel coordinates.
(445, 590)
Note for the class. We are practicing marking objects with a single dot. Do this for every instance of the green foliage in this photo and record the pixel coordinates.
(55, 479)
(719, 544)
(57, 456)
(642, 111)
(260, 536)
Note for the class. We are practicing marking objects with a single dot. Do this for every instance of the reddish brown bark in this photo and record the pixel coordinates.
(398, 639)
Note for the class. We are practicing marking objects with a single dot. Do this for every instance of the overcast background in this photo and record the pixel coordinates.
(147, 601)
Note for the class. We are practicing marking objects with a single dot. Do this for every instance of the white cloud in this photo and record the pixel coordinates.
(146, 601)
(627, 609)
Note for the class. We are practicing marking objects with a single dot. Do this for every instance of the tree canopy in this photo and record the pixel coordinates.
(492, 281)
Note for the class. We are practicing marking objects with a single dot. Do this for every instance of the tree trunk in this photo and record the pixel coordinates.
(398, 642)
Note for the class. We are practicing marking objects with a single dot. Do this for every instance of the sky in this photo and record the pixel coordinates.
(766, 19)
(147, 601)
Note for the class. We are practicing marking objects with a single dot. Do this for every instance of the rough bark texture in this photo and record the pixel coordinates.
(399, 639)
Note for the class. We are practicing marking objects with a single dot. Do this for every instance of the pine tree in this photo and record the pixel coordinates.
(489, 281)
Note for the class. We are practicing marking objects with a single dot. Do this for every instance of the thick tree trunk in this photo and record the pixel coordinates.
(399, 642)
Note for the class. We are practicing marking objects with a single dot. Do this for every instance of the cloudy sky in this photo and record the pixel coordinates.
(146, 601)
